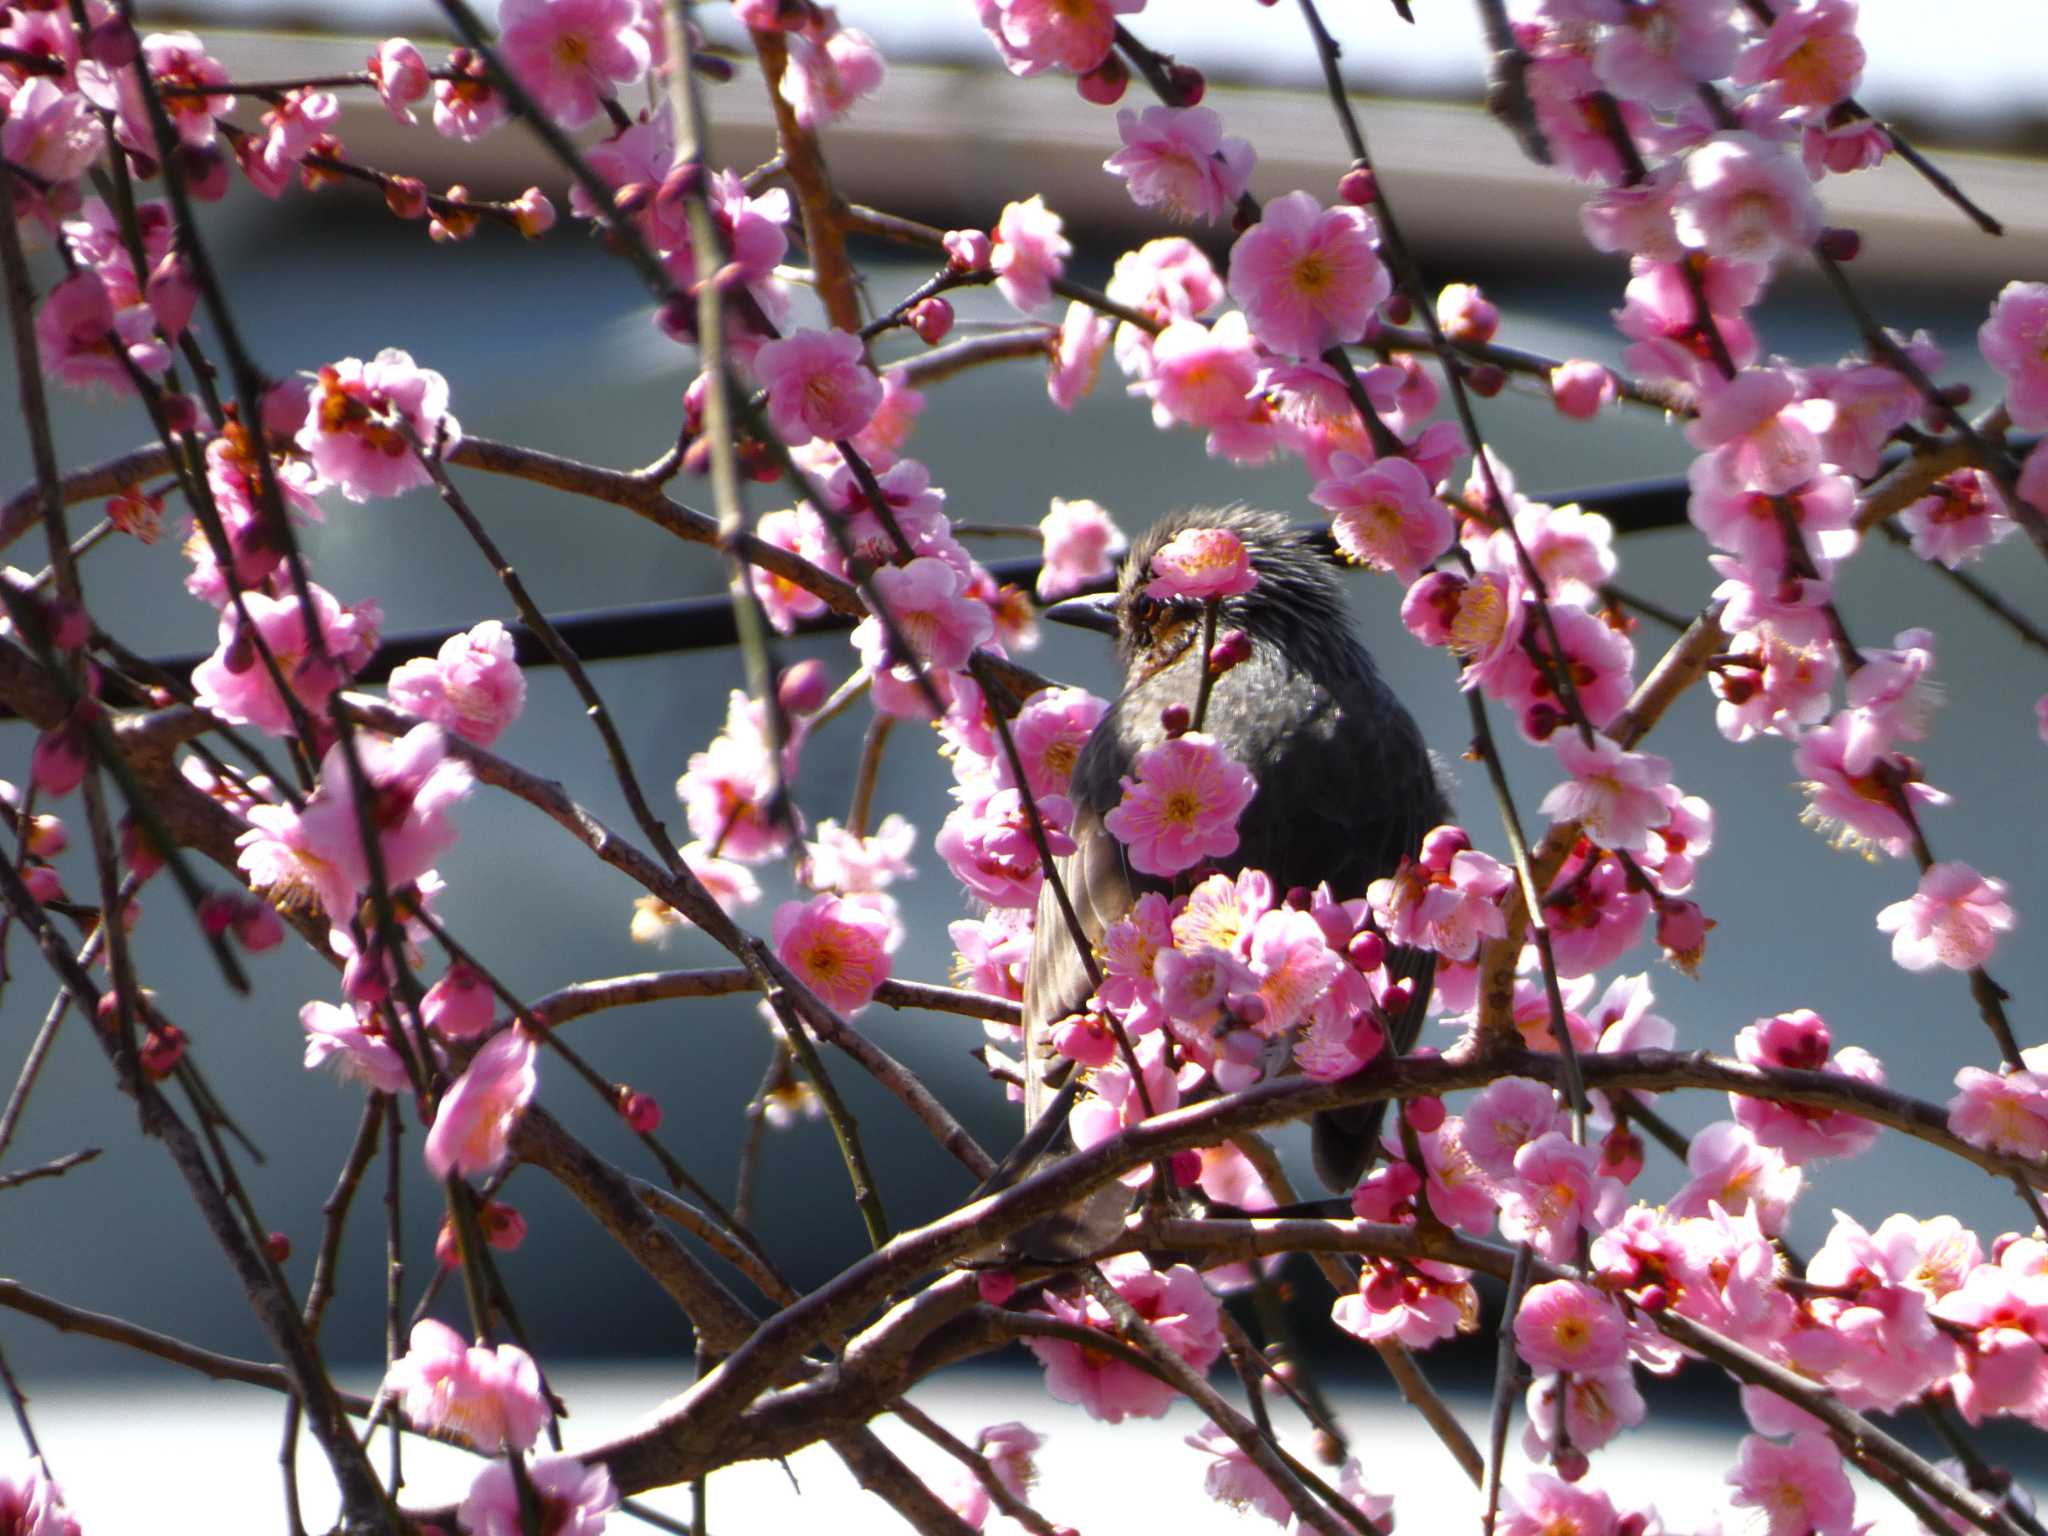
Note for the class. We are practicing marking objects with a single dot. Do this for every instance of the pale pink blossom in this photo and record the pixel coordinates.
(1600, 660)
(1597, 1407)
(1200, 563)
(837, 859)
(400, 75)
(490, 1397)
(986, 841)
(1556, 1192)
(292, 129)
(1029, 253)
(31, 1504)
(575, 1498)
(1385, 515)
(1543, 1505)
(1504, 1117)
(926, 602)
(1419, 1303)
(1179, 1308)
(474, 1121)
(1082, 543)
(1234, 1480)
(1800, 1487)
(82, 340)
(235, 684)
(467, 106)
(730, 884)
(1763, 434)
(1182, 807)
(838, 947)
(1745, 198)
(364, 418)
(819, 385)
(1050, 731)
(1566, 1325)
(1771, 684)
(573, 54)
(827, 76)
(1810, 58)
(1295, 966)
(1073, 35)
(1732, 1169)
(1178, 159)
(473, 685)
(1843, 147)
(1662, 51)
(1168, 280)
(1599, 919)
(1962, 515)
(2015, 342)
(459, 1005)
(1953, 919)
(2004, 1112)
(1891, 698)
(179, 58)
(1450, 910)
(1077, 355)
(1661, 315)
(1308, 277)
(1854, 807)
(1206, 376)
(1800, 1040)
(50, 132)
(1871, 401)
(1617, 795)
(728, 789)
(356, 1044)
(1478, 619)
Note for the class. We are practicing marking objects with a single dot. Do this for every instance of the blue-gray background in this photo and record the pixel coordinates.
(550, 345)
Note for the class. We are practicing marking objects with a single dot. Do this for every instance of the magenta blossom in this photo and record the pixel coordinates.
(574, 1499)
(365, 417)
(474, 1121)
(31, 1504)
(1201, 563)
(1182, 807)
(235, 683)
(1050, 731)
(473, 686)
(1178, 159)
(1205, 376)
(1033, 35)
(1566, 1325)
(1810, 58)
(828, 75)
(926, 602)
(2004, 1112)
(1308, 277)
(1029, 254)
(987, 843)
(1800, 1040)
(82, 341)
(400, 75)
(1385, 514)
(1953, 919)
(819, 385)
(1419, 1303)
(572, 54)
(1800, 1488)
(491, 1398)
(1581, 389)
(2015, 342)
(838, 946)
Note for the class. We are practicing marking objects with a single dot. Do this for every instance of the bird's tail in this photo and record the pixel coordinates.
(1345, 1142)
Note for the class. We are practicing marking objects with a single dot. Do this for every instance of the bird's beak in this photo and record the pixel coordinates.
(1096, 612)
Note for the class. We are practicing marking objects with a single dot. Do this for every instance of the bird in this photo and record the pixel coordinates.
(1346, 786)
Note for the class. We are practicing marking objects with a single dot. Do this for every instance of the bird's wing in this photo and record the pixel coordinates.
(1099, 884)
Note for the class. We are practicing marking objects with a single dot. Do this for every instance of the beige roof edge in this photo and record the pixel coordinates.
(953, 144)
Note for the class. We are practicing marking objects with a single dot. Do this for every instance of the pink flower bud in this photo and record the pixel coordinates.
(1250, 1010)
(46, 836)
(804, 686)
(996, 1286)
(43, 882)
(1653, 1298)
(58, 761)
(1105, 84)
(967, 250)
(1840, 244)
(113, 44)
(1367, 950)
(1188, 85)
(1187, 1167)
(459, 1005)
(1176, 720)
(140, 855)
(1398, 309)
(162, 1049)
(1466, 314)
(257, 926)
(1441, 846)
(69, 624)
(639, 1110)
(1580, 388)
(931, 318)
(216, 912)
(1366, 1039)
(1359, 187)
(278, 1246)
(1425, 1114)
(504, 1228)
(172, 293)
(1571, 1463)
(533, 213)
(1231, 648)
(1399, 994)
(1387, 1194)
(1621, 1154)
(1682, 930)
(406, 196)
(1486, 380)
(204, 172)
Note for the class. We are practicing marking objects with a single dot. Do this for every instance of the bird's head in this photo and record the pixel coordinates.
(1297, 600)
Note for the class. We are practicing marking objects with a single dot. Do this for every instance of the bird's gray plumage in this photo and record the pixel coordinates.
(1346, 788)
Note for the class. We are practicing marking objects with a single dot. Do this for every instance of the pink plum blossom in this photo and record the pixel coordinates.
(1200, 563)
(1385, 515)
(364, 417)
(474, 1121)
(1960, 516)
(1600, 661)
(1599, 918)
(82, 340)
(1745, 198)
(1732, 1169)
(31, 1504)
(1233, 1479)
(987, 843)
(459, 1005)
(2015, 342)
(1182, 807)
(1772, 685)
(1295, 966)
(572, 54)
(1543, 1505)
(400, 75)
(1953, 919)
(2004, 1112)
(1050, 731)
(827, 76)
(292, 129)
(925, 601)
(50, 132)
(1800, 1040)
(1033, 35)
(1177, 1305)
(1178, 159)
(1555, 1192)
(1871, 401)
(728, 789)
(1615, 794)
(819, 385)
(1082, 542)
(490, 1397)
(179, 58)
(837, 946)
(1029, 254)
(1168, 280)
(1478, 618)
(467, 106)
(1764, 436)
(1661, 52)
(1581, 389)
(1308, 277)
(1205, 376)
(473, 686)
(1566, 1325)
(1851, 802)
(1419, 1304)
(1506, 1116)
(574, 1499)
(840, 860)
(1450, 910)
(1810, 57)
(356, 1044)
(1077, 355)
(1597, 1407)
(234, 682)
(1800, 1488)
